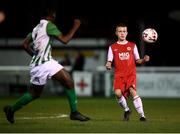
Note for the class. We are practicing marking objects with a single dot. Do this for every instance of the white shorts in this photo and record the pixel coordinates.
(40, 74)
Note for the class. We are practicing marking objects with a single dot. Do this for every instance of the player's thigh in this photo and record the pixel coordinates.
(36, 90)
(131, 82)
(133, 91)
(64, 78)
(131, 85)
(118, 85)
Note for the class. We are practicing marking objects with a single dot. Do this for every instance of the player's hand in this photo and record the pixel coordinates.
(108, 65)
(77, 22)
(146, 58)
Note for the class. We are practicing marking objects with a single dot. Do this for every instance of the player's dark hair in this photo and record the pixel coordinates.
(48, 12)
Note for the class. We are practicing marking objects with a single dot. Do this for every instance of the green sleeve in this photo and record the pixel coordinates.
(29, 36)
(52, 30)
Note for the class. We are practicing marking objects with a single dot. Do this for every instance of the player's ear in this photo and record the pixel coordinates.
(116, 33)
(126, 33)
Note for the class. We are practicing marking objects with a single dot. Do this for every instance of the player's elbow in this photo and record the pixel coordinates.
(63, 39)
(25, 46)
(26, 43)
(64, 42)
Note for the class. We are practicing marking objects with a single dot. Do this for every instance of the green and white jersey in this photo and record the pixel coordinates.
(42, 40)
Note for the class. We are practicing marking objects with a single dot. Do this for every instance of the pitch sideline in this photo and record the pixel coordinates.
(43, 117)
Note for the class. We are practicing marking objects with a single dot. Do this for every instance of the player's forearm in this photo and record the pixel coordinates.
(29, 51)
(27, 48)
(66, 38)
(140, 61)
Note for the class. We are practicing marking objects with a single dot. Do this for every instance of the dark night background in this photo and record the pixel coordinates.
(99, 19)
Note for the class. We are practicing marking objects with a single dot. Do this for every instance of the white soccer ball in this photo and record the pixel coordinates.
(2, 16)
(149, 35)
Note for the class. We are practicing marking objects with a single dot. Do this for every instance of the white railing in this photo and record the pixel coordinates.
(151, 81)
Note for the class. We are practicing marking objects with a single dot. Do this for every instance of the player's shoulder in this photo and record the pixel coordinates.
(51, 25)
(50, 22)
(131, 42)
(114, 44)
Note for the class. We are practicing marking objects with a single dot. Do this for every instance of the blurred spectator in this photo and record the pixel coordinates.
(66, 60)
(79, 62)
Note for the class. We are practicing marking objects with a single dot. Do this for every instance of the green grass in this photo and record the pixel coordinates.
(106, 116)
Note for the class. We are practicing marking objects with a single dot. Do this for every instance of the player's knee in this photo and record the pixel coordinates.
(36, 96)
(118, 93)
(133, 92)
(69, 84)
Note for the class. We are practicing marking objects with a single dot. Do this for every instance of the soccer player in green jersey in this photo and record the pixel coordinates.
(43, 66)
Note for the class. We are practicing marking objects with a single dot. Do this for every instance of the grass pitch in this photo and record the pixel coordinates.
(51, 115)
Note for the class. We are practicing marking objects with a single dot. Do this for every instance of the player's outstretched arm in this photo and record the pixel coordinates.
(142, 61)
(66, 38)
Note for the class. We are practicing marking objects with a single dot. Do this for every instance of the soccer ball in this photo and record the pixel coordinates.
(149, 35)
(2, 16)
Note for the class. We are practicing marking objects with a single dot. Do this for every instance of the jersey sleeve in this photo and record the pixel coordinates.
(29, 36)
(136, 53)
(52, 30)
(110, 54)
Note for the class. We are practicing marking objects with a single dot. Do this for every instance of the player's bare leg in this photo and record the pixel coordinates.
(122, 102)
(65, 79)
(137, 104)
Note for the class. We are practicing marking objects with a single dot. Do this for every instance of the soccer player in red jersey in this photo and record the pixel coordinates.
(125, 56)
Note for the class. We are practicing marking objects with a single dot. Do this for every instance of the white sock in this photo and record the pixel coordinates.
(122, 102)
(138, 105)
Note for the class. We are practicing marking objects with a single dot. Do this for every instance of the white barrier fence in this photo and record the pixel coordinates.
(159, 84)
(151, 81)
